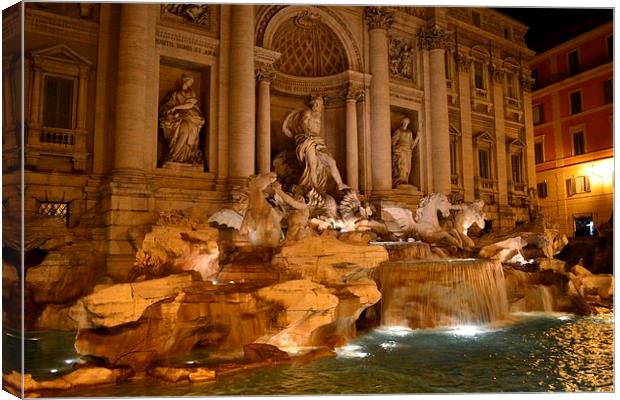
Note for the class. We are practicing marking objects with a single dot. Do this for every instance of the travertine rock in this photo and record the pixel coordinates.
(63, 275)
(326, 259)
(177, 374)
(63, 317)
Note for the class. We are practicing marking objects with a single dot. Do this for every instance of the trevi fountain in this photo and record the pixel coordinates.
(303, 286)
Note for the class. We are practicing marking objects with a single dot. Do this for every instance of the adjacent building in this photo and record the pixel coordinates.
(95, 77)
(573, 123)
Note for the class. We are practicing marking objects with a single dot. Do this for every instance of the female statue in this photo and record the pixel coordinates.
(403, 144)
(181, 121)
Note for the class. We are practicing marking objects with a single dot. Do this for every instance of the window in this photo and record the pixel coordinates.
(58, 102)
(453, 156)
(539, 154)
(573, 63)
(584, 225)
(507, 33)
(510, 85)
(476, 19)
(609, 91)
(541, 189)
(579, 146)
(517, 172)
(575, 102)
(478, 75)
(484, 164)
(577, 184)
(58, 209)
(538, 112)
(610, 48)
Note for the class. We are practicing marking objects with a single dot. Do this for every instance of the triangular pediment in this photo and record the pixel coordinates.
(484, 137)
(516, 143)
(61, 53)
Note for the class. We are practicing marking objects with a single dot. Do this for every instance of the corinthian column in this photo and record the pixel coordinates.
(351, 95)
(131, 88)
(264, 75)
(435, 40)
(242, 93)
(379, 20)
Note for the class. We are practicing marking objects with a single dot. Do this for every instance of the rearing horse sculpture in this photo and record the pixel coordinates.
(426, 225)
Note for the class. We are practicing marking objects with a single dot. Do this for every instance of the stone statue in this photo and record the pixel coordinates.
(319, 166)
(468, 215)
(403, 144)
(426, 225)
(180, 119)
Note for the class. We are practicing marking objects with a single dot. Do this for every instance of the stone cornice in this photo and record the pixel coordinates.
(174, 39)
(329, 85)
(434, 38)
(378, 18)
(61, 26)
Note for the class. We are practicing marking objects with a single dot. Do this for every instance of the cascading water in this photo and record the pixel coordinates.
(440, 293)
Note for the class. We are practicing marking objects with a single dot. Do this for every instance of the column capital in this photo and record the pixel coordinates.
(378, 18)
(463, 61)
(353, 93)
(526, 80)
(265, 72)
(435, 37)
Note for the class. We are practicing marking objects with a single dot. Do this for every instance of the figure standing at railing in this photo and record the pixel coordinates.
(181, 120)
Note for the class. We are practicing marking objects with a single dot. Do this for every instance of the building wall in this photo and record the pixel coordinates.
(556, 132)
(124, 60)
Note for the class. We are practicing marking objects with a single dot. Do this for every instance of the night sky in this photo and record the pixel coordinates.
(552, 26)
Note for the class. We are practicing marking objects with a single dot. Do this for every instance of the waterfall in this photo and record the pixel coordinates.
(439, 293)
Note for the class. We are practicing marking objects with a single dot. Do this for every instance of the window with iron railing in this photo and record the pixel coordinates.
(58, 102)
(59, 209)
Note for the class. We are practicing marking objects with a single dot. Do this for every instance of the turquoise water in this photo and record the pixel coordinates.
(537, 353)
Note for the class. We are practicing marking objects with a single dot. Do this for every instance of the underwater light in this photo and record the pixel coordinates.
(70, 361)
(389, 345)
(466, 330)
(351, 351)
(397, 330)
(231, 281)
(564, 318)
(190, 362)
(53, 371)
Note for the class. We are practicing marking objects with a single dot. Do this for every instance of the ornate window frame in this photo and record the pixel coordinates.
(63, 62)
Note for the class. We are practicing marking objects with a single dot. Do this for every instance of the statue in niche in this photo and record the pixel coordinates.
(318, 165)
(403, 144)
(180, 119)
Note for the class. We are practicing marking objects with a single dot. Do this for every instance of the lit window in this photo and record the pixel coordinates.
(584, 225)
(58, 209)
(539, 154)
(573, 63)
(541, 189)
(576, 185)
(484, 164)
(609, 91)
(58, 102)
(538, 112)
(575, 103)
(579, 146)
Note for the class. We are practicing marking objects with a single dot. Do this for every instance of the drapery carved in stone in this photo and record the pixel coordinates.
(434, 38)
(379, 18)
(401, 58)
(195, 13)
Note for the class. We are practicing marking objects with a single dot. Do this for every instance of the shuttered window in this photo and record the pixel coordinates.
(58, 103)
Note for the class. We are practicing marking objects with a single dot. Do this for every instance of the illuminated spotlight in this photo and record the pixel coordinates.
(190, 362)
(53, 371)
(70, 361)
(351, 351)
(389, 345)
(466, 330)
(564, 318)
(399, 331)
(231, 281)
(214, 282)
